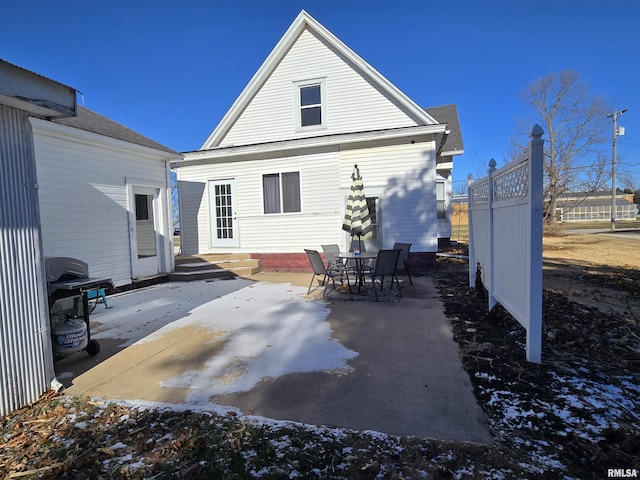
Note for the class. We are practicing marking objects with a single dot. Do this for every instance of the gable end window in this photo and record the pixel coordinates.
(310, 104)
(281, 192)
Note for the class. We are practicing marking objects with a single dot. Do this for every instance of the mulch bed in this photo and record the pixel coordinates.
(579, 407)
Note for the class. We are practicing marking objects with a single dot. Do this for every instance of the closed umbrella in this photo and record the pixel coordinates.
(356, 217)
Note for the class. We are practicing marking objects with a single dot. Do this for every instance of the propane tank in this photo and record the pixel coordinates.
(69, 337)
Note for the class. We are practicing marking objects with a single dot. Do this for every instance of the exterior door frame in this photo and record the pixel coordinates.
(223, 232)
(154, 265)
(371, 192)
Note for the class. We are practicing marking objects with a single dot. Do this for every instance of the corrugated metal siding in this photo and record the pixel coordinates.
(84, 202)
(353, 104)
(26, 364)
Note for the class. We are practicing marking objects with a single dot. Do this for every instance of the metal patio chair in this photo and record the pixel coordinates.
(319, 268)
(403, 265)
(331, 252)
(386, 266)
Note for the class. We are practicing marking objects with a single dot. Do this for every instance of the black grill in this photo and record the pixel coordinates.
(68, 284)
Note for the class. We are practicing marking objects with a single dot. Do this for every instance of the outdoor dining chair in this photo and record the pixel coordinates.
(319, 268)
(403, 265)
(386, 266)
(331, 252)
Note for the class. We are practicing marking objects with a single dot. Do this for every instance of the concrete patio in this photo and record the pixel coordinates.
(260, 346)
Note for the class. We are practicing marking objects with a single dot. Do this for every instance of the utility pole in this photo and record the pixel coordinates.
(614, 208)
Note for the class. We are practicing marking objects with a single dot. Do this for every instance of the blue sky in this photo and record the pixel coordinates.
(170, 70)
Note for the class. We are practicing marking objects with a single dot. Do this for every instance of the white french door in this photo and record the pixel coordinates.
(222, 211)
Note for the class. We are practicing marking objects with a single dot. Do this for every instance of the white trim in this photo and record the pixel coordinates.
(321, 82)
(341, 139)
(279, 172)
(302, 22)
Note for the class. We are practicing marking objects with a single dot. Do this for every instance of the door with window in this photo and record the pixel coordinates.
(145, 231)
(222, 208)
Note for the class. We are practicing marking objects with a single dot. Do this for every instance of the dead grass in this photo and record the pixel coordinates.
(558, 420)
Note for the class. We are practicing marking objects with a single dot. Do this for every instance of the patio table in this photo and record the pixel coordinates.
(357, 259)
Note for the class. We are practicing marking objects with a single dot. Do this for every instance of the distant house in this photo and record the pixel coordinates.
(274, 175)
(596, 206)
(105, 196)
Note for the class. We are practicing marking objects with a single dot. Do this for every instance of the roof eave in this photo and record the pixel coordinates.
(310, 142)
(65, 131)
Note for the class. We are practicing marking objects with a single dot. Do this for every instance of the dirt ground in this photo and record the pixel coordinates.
(600, 270)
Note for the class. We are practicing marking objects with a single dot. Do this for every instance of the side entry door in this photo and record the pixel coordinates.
(146, 235)
(222, 208)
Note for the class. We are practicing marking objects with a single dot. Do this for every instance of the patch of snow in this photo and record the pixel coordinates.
(268, 330)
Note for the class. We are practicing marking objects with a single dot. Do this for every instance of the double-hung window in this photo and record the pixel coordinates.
(311, 109)
(440, 199)
(281, 192)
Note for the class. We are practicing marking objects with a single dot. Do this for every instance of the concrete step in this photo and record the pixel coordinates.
(201, 267)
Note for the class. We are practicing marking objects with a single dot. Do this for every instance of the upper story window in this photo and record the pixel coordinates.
(311, 105)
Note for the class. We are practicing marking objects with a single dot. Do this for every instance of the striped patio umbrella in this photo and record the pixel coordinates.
(356, 217)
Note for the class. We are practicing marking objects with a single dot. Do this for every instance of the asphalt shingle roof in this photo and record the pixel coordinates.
(91, 121)
(449, 114)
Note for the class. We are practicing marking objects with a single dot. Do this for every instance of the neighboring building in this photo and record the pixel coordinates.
(459, 210)
(273, 177)
(582, 207)
(105, 196)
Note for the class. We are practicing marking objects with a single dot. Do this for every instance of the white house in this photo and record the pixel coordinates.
(105, 196)
(274, 175)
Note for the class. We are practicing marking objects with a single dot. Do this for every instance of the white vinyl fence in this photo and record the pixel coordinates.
(505, 238)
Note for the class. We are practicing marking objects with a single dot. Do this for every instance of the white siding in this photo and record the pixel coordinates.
(319, 222)
(353, 104)
(84, 204)
(405, 175)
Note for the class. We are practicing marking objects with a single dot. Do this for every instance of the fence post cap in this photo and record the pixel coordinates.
(537, 131)
(492, 165)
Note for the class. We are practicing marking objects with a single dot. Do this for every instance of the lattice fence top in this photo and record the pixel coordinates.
(513, 183)
(480, 194)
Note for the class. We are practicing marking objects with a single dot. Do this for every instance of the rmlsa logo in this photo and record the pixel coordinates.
(622, 473)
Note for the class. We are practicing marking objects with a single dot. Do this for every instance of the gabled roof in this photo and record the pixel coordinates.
(305, 21)
(90, 121)
(449, 114)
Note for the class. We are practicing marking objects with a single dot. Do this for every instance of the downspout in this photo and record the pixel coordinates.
(43, 304)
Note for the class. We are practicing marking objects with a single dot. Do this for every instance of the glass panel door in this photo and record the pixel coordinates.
(222, 201)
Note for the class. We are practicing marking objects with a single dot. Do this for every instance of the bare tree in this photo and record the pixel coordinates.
(576, 127)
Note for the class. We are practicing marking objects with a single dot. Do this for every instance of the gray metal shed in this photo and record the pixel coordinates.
(26, 363)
